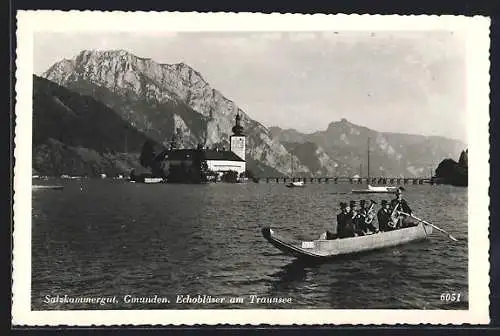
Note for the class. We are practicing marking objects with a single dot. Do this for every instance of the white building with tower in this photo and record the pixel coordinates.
(234, 159)
(218, 161)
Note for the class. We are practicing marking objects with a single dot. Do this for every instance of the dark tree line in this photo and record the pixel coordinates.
(455, 173)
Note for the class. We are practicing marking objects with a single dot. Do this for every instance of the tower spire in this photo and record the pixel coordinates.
(237, 128)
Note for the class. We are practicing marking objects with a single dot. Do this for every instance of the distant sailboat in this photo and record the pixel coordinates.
(372, 189)
(294, 184)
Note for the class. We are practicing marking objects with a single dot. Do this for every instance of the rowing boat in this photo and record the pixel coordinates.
(322, 248)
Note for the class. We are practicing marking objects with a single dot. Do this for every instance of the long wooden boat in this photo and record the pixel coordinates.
(322, 248)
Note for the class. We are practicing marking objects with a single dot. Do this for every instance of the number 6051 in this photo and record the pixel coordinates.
(450, 297)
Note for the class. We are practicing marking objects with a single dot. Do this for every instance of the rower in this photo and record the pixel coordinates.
(400, 204)
(384, 216)
(344, 222)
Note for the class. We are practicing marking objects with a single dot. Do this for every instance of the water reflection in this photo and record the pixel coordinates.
(290, 275)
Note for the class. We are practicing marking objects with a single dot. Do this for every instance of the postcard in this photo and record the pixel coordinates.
(246, 168)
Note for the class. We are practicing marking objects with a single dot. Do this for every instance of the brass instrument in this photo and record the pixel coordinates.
(394, 217)
(370, 215)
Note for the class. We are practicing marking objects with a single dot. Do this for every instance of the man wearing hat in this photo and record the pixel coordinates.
(366, 218)
(362, 207)
(344, 222)
(363, 212)
(384, 216)
(357, 219)
(400, 204)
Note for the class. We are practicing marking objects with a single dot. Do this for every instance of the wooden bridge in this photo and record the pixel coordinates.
(351, 180)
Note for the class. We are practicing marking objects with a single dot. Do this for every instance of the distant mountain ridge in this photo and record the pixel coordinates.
(158, 99)
(391, 154)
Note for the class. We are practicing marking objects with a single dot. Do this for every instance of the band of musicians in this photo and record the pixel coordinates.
(359, 220)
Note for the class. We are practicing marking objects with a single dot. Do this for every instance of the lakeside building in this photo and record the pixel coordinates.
(193, 165)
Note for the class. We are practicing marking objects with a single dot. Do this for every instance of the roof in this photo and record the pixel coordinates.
(221, 155)
(208, 154)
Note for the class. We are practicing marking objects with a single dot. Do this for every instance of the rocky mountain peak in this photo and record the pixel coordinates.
(158, 99)
(334, 125)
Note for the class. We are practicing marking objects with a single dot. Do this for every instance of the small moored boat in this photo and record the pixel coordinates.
(322, 248)
(54, 187)
(153, 180)
(295, 184)
(375, 190)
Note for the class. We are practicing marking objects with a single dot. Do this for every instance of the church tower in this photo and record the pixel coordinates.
(238, 138)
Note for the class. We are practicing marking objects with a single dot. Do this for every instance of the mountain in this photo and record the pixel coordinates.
(391, 154)
(159, 99)
(77, 135)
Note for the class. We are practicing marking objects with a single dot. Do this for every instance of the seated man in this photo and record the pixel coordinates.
(363, 210)
(384, 216)
(344, 222)
(357, 219)
(399, 204)
(368, 215)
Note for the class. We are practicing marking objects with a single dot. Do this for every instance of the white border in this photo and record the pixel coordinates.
(477, 30)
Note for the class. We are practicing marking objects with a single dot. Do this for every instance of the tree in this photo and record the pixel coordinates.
(451, 172)
(230, 176)
(446, 168)
(149, 159)
(204, 171)
(463, 160)
(250, 175)
(147, 154)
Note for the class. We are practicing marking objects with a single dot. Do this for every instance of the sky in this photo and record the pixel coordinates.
(406, 82)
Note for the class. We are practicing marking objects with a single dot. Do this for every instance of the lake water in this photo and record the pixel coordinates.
(105, 238)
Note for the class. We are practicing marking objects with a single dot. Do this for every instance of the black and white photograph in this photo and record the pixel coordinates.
(250, 167)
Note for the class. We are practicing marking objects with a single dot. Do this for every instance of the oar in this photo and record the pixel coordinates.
(434, 226)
